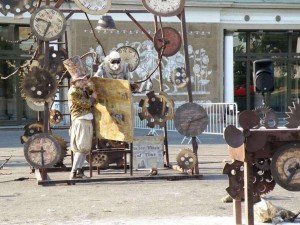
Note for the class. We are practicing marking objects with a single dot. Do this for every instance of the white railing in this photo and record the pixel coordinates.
(220, 116)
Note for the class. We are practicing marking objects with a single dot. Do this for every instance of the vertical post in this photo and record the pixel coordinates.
(162, 89)
(237, 211)
(228, 63)
(248, 186)
(189, 84)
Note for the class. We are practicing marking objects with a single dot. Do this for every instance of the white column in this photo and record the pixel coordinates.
(228, 68)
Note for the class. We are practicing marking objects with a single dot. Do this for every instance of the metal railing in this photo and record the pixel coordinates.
(220, 116)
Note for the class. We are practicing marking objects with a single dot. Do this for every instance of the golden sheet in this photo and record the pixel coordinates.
(113, 111)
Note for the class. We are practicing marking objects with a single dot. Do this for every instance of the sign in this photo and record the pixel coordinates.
(148, 152)
(113, 110)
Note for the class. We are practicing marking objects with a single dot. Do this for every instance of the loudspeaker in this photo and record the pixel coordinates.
(263, 75)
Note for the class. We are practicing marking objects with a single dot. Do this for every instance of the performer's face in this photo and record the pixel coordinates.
(115, 64)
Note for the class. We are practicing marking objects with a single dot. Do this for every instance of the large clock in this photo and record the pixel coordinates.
(164, 7)
(190, 119)
(48, 23)
(94, 7)
(42, 151)
(285, 166)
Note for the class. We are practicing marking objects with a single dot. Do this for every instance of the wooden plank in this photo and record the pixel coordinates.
(130, 178)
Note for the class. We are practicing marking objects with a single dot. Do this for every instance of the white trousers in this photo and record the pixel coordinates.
(78, 161)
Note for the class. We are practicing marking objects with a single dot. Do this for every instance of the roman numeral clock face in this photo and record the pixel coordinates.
(47, 23)
(164, 7)
(94, 7)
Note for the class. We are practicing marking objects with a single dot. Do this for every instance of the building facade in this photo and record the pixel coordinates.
(224, 38)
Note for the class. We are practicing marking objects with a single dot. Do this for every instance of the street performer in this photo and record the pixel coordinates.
(80, 106)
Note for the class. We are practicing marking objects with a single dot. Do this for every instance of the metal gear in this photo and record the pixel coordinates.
(186, 159)
(293, 119)
(268, 118)
(55, 116)
(156, 109)
(263, 181)
(179, 78)
(98, 159)
(56, 58)
(263, 164)
(17, 7)
(39, 85)
(30, 130)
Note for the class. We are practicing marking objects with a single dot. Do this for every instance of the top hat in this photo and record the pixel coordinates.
(75, 67)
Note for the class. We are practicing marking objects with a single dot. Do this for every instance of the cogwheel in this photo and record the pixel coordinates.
(39, 85)
(263, 164)
(156, 109)
(186, 159)
(293, 119)
(30, 130)
(98, 159)
(268, 118)
(55, 116)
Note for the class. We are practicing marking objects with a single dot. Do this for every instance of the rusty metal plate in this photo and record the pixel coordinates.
(248, 119)
(169, 39)
(42, 151)
(186, 159)
(285, 166)
(256, 141)
(233, 136)
(190, 119)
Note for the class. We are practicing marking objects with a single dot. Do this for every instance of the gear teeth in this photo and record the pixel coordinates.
(293, 116)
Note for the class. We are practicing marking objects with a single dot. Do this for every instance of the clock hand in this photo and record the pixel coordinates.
(292, 171)
(47, 28)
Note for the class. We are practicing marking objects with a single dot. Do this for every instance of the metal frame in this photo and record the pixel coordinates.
(42, 175)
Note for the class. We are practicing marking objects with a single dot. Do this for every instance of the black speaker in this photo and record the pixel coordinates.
(263, 75)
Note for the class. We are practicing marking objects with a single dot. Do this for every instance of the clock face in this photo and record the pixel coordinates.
(285, 166)
(94, 7)
(42, 151)
(130, 56)
(164, 7)
(190, 119)
(47, 23)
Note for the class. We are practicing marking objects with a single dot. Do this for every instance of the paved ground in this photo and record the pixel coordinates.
(182, 202)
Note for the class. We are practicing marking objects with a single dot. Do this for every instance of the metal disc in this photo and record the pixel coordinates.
(190, 119)
(233, 136)
(170, 38)
(248, 119)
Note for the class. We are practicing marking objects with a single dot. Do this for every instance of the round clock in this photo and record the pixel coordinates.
(169, 38)
(48, 23)
(190, 119)
(94, 7)
(42, 151)
(285, 166)
(130, 56)
(165, 7)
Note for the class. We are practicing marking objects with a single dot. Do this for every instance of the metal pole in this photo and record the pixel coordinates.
(162, 89)
(189, 84)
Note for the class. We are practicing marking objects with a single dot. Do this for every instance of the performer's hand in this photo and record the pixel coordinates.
(94, 95)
